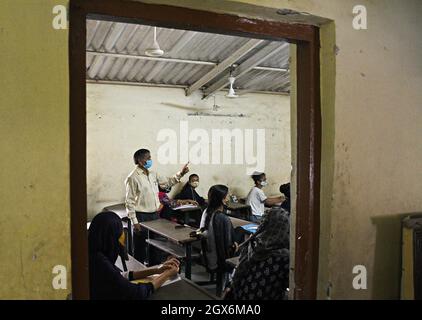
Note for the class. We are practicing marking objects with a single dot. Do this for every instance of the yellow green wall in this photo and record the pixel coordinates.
(371, 171)
(372, 168)
(34, 144)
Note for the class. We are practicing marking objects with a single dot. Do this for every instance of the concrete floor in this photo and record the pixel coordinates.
(200, 274)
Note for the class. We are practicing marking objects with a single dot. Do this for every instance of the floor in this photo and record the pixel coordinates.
(200, 274)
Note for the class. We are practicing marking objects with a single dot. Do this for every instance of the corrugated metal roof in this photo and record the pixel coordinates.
(116, 52)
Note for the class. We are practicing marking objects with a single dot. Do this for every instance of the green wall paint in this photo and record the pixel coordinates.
(34, 193)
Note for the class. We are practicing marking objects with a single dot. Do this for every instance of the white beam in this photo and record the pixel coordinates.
(208, 63)
(219, 68)
(158, 85)
(131, 56)
(247, 65)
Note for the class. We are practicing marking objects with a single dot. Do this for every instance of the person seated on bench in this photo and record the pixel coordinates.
(263, 270)
(257, 198)
(188, 191)
(218, 231)
(105, 243)
(167, 204)
(285, 190)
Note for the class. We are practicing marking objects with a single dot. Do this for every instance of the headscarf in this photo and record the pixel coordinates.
(103, 236)
(270, 239)
(105, 279)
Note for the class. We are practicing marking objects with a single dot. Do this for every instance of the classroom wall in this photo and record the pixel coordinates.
(122, 119)
(372, 137)
(371, 117)
(376, 172)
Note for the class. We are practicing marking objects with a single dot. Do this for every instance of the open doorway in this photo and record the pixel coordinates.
(161, 75)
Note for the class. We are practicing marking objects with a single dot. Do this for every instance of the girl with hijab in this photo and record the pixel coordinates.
(105, 243)
(263, 270)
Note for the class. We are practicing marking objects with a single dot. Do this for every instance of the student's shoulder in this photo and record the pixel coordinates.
(259, 191)
(255, 191)
(221, 216)
(252, 191)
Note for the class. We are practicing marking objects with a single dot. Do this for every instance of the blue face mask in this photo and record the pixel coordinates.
(148, 164)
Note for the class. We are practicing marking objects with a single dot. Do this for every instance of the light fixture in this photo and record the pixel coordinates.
(154, 50)
(231, 79)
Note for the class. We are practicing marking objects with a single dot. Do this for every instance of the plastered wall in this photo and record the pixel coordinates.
(373, 130)
(371, 140)
(34, 144)
(123, 119)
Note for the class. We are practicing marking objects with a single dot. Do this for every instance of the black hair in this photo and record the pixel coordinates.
(139, 155)
(193, 175)
(216, 195)
(257, 176)
(285, 189)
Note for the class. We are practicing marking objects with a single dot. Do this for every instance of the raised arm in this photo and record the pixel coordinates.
(167, 182)
(269, 202)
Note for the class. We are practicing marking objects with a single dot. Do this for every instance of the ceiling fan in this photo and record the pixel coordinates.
(154, 50)
(231, 94)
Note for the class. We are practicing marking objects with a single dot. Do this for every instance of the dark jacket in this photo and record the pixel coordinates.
(107, 283)
(189, 193)
(219, 241)
(105, 280)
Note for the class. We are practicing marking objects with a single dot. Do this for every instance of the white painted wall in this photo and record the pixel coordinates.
(122, 119)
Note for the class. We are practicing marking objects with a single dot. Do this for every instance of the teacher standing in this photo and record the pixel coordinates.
(142, 202)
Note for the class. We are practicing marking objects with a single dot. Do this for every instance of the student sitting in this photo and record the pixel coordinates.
(188, 191)
(218, 243)
(257, 198)
(263, 270)
(285, 190)
(105, 243)
(167, 204)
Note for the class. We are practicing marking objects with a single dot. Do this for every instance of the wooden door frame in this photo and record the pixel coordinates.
(306, 37)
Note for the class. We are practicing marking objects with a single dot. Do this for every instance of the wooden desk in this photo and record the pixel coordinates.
(180, 236)
(239, 209)
(118, 209)
(238, 222)
(237, 206)
(186, 212)
(180, 290)
(132, 264)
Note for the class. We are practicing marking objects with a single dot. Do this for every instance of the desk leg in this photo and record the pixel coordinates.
(130, 239)
(188, 262)
(148, 249)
